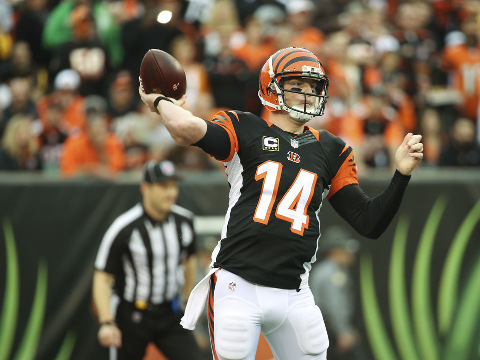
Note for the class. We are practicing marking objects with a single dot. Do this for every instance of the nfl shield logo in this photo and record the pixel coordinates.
(137, 317)
(232, 286)
(294, 143)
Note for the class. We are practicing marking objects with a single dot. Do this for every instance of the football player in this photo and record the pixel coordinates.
(280, 171)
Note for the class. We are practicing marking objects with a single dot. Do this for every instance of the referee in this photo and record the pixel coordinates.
(139, 275)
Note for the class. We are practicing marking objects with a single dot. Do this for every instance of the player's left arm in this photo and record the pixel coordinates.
(371, 216)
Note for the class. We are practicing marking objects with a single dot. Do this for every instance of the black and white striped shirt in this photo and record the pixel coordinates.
(145, 256)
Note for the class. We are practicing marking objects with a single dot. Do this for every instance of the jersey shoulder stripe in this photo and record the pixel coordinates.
(344, 168)
(225, 119)
(235, 122)
(315, 132)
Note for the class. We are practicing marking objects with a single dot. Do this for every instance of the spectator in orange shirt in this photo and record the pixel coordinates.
(65, 94)
(461, 57)
(373, 127)
(256, 49)
(300, 17)
(97, 152)
(254, 52)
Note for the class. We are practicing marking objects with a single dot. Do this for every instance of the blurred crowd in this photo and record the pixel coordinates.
(69, 70)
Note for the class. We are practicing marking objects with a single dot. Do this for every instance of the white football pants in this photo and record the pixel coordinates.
(290, 321)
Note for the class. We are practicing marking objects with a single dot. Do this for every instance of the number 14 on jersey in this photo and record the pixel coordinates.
(294, 203)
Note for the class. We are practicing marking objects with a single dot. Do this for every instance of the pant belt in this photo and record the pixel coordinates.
(145, 305)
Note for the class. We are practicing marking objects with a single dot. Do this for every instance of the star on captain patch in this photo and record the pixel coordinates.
(232, 286)
(294, 143)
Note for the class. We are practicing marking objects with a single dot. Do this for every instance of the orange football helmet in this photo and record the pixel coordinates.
(287, 63)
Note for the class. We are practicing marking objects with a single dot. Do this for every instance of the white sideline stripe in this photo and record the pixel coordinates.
(208, 224)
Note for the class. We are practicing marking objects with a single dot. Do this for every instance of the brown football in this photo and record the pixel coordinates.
(161, 73)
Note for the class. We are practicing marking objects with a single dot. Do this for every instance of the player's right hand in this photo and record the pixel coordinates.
(109, 335)
(149, 99)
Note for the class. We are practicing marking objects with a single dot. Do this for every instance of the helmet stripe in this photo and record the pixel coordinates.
(284, 53)
(303, 58)
(293, 55)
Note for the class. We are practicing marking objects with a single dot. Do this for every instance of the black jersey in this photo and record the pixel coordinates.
(278, 182)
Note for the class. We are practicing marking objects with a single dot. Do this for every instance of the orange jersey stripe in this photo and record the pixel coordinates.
(210, 315)
(346, 174)
(315, 132)
(223, 119)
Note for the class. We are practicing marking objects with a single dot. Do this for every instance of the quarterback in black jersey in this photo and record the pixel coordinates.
(279, 171)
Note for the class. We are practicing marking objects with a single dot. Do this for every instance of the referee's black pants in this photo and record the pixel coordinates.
(159, 325)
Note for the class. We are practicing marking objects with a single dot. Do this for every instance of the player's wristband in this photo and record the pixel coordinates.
(158, 99)
(108, 322)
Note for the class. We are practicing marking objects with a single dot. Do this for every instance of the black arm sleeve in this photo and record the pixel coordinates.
(370, 216)
(216, 141)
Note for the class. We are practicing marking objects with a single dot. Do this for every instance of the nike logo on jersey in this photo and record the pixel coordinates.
(270, 143)
(294, 157)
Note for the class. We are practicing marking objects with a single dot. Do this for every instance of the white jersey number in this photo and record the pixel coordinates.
(293, 206)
